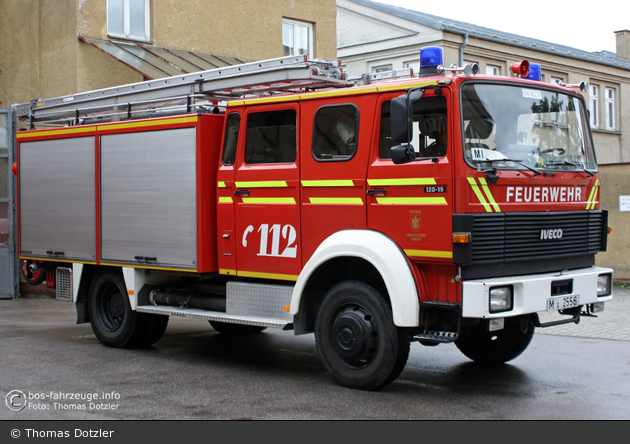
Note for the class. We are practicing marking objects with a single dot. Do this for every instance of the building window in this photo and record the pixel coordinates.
(382, 68)
(610, 109)
(593, 102)
(492, 70)
(129, 19)
(413, 65)
(557, 80)
(297, 38)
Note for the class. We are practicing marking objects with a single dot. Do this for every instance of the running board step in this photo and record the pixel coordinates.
(196, 313)
(437, 336)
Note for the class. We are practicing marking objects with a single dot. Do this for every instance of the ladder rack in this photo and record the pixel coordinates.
(185, 93)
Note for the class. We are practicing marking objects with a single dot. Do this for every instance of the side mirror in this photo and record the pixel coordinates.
(400, 122)
(401, 114)
(403, 154)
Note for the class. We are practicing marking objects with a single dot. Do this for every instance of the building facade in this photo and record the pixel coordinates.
(52, 48)
(375, 37)
(45, 48)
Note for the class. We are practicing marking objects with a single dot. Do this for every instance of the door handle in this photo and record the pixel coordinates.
(376, 191)
(241, 192)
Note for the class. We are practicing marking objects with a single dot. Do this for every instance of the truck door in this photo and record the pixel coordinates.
(266, 194)
(333, 163)
(412, 203)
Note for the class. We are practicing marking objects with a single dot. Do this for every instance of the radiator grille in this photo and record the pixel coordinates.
(512, 237)
(64, 284)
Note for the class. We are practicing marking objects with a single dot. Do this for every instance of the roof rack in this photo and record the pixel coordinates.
(185, 93)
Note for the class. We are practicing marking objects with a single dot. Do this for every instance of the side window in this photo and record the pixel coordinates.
(271, 137)
(335, 132)
(231, 138)
(429, 129)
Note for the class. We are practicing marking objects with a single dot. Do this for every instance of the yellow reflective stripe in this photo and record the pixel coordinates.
(590, 203)
(221, 185)
(262, 184)
(339, 93)
(259, 100)
(58, 132)
(336, 200)
(268, 200)
(401, 182)
(475, 187)
(72, 261)
(225, 199)
(412, 200)
(254, 274)
(429, 253)
(405, 86)
(149, 267)
(485, 188)
(327, 183)
(227, 271)
(149, 123)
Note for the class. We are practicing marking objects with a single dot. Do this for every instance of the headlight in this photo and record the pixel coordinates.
(604, 284)
(501, 299)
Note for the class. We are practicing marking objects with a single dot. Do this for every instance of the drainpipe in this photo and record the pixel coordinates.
(461, 49)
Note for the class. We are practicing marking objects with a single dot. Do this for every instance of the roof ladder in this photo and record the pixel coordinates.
(185, 93)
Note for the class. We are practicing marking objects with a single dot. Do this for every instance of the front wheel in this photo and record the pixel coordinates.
(356, 338)
(496, 347)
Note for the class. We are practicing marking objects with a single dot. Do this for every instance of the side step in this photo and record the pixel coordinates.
(196, 313)
(260, 305)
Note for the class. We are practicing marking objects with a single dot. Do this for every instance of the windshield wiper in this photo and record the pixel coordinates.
(520, 162)
(566, 162)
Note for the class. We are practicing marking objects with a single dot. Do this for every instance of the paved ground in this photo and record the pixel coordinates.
(612, 323)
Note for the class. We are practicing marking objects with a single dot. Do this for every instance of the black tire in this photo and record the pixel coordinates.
(154, 328)
(229, 329)
(33, 278)
(113, 321)
(496, 347)
(356, 338)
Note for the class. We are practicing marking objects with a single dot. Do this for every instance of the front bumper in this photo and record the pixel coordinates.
(531, 292)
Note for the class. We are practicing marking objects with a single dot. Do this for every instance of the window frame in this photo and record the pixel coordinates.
(245, 120)
(356, 137)
(296, 24)
(126, 34)
(593, 102)
(610, 105)
(496, 70)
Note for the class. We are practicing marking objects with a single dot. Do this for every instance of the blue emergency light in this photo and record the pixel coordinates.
(534, 72)
(430, 58)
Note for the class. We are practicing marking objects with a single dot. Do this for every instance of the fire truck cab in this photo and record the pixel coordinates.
(440, 207)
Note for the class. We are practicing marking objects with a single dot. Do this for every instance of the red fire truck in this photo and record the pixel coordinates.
(437, 207)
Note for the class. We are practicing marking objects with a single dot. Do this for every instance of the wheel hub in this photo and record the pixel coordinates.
(355, 336)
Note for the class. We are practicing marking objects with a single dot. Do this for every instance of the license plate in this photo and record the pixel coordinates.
(563, 302)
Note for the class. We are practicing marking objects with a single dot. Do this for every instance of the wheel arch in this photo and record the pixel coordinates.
(364, 255)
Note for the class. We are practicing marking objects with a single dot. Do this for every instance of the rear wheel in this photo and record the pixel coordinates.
(229, 329)
(356, 338)
(113, 321)
(33, 277)
(496, 347)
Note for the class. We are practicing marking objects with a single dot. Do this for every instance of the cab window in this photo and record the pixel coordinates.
(230, 140)
(429, 129)
(271, 137)
(335, 132)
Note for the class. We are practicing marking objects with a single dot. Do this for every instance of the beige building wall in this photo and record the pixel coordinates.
(41, 55)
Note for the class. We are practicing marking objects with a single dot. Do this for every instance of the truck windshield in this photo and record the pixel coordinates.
(521, 127)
